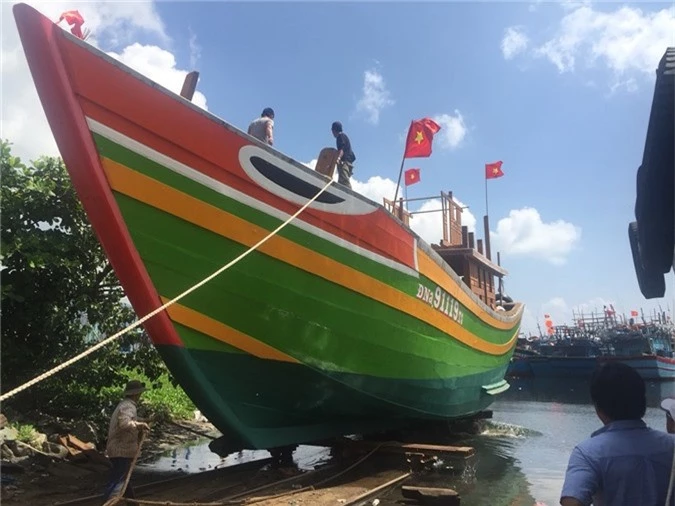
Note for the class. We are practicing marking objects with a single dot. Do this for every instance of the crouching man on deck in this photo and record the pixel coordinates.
(123, 439)
(625, 463)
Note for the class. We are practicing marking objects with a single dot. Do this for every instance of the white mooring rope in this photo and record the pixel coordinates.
(119, 334)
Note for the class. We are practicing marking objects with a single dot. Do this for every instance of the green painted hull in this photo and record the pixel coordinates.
(282, 404)
(364, 366)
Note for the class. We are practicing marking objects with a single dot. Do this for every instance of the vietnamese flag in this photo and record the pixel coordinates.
(634, 313)
(493, 170)
(420, 137)
(412, 176)
(75, 19)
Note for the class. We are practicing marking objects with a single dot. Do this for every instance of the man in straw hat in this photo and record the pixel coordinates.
(123, 438)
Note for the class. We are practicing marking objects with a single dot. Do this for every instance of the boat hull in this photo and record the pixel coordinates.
(283, 404)
(342, 322)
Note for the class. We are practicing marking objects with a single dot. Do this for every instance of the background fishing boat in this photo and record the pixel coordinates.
(343, 322)
(574, 351)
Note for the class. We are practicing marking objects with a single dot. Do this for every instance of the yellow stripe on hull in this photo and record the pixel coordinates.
(165, 198)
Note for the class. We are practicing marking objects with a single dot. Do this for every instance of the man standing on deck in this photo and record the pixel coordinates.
(123, 439)
(346, 157)
(625, 462)
(263, 127)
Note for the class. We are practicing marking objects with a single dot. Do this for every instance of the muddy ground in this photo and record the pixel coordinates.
(42, 480)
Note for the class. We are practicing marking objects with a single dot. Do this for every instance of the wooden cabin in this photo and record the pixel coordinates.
(471, 259)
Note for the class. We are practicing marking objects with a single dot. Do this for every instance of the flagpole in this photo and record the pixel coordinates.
(405, 196)
(400, 172)
(487, 212)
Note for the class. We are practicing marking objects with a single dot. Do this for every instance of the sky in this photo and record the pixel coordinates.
(559, 91)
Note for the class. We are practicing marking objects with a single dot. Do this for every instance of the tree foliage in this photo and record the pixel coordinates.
(59, 296)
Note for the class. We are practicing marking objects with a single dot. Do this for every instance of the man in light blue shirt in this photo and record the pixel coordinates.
(625, 463)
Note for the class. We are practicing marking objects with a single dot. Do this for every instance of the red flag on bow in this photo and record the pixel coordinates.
(420, 137)
(75, 20)
(412, 176)
(493, 170)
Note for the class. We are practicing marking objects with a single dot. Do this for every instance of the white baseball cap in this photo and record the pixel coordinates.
(668, 405)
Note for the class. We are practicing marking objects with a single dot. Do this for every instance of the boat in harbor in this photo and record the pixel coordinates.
(344, 322)
(574, 351)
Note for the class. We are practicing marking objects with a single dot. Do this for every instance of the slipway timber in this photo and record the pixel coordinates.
(343, 322)
(358, 471)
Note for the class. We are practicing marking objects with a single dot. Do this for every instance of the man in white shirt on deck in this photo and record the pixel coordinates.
(263, 127)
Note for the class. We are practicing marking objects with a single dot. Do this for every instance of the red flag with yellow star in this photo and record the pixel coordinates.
(412, 176)
(75, 20)
(420, 137)
(493, 170)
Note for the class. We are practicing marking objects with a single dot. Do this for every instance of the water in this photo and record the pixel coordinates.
(520, 458)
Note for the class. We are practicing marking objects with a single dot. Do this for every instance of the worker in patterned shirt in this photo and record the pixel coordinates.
(123, 438)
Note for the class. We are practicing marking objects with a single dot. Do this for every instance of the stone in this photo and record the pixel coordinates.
(20, 449)
(38, 440)
(6, 453)
(54, 437)
(3, 421)
(8, 434)
(55, 449)
(431, 496)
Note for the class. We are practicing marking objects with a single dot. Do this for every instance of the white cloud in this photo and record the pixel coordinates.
(158, 65)
(22, 119)
(375, 96)
(376, 188)
(195, 50)
(624, 40)
(524, 233)
(563, 313)
(534, 5)
(515, 41)
(453, 130)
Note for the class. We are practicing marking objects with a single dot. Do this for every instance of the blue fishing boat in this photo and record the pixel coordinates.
(575, 351)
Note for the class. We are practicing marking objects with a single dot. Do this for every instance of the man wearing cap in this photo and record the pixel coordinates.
(625, 463)
(123, 438)
(262, 128)
(346, 157)
(668, 405)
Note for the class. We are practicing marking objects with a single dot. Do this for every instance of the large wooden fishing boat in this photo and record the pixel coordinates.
(343, 322)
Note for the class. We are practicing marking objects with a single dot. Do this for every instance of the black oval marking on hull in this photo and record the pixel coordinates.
(293, 183)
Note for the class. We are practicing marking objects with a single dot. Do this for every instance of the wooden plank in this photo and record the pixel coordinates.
(431, 496)
(189, 85)
(396, 447)
(373, 491)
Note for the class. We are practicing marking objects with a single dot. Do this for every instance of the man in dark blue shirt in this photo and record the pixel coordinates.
(625, 463)
(346, 157)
